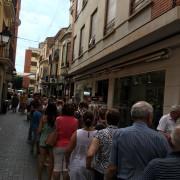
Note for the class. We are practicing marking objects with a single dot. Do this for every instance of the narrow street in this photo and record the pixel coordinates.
(16, 161)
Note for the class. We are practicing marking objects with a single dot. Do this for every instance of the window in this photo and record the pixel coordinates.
(63, 55)
(79, 6)
(110, 16)
(74, 48)
(35, 55)
(136, 5)
(68, 53)
(148, 87)
(33, 63)
(82, 38)
(92, 36)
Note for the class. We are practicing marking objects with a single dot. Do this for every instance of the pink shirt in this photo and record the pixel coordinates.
(66, 126)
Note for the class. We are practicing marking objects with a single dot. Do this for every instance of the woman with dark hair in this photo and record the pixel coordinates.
(47, 125)
(77, 149)
(66, 125)
(101, 144)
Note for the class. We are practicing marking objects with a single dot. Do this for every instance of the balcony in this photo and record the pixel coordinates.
(6, 56)
(64, 70)
(4, 52)
(9, 7)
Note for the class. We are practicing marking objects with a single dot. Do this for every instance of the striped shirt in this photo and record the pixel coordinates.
(134, 147)
(166, 169)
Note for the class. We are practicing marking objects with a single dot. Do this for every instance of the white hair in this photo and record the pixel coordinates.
(141, 110)
(175, 137)
(175, 108)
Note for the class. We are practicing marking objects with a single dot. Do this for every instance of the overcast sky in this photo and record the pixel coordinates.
(39, 19)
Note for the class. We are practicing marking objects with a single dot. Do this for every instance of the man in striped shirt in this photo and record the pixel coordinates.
(169, 167)
(135, 146)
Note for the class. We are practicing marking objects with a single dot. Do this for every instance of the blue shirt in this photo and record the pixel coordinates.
(36, 119)
(133, 147)
(167, 168)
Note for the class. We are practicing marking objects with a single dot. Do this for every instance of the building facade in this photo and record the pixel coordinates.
(30, 69)
(9, 22)
(126, 51)
(42, 75)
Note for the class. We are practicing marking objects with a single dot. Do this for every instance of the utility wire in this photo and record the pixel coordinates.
(54, 16)
(35, 41)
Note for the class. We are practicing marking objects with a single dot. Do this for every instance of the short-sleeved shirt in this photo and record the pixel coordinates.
(166, 124)
(65, 126)
(167, 168)
(36, 119)
(102, 156)
(134, 147)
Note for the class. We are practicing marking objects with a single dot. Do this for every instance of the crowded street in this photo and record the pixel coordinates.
(90, 90)
(16, 161)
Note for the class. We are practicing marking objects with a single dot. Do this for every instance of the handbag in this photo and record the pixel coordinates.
(51, 138)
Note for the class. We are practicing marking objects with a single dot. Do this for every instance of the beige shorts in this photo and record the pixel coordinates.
(59, 159)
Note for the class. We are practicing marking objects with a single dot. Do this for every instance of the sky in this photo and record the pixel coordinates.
(39, 19)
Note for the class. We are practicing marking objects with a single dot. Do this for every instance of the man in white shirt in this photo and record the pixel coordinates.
(168, 122)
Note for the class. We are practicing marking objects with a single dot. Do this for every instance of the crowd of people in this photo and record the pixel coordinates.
(86, 143)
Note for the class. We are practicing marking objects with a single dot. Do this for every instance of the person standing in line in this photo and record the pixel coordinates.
(168, 122)
(15, 102)
(35, 125)
(47, 126)
(135, 146)
(100, 146)
(66, 125)
(168, 167)
(77, 149)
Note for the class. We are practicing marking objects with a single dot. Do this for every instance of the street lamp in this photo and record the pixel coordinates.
(14, 72)
(5, 36)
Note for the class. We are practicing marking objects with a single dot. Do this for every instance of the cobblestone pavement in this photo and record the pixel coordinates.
(16, 161)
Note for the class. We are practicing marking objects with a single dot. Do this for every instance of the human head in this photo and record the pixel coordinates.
(36, 96)
(51, 113)
(83, 105)
(102, 113)
(175, 138)
(175, 112)
(59, 102)
(68, 110)
(142, 111)
(88, 119)
(112, 117)
(51, 110)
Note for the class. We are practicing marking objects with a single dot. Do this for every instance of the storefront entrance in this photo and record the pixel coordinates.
(148, 87)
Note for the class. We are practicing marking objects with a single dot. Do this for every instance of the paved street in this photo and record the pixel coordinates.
(16, 161)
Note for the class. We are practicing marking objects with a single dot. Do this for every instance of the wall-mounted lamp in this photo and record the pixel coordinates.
(5, 36)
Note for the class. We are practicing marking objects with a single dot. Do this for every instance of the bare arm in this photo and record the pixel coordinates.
(111, 172)
(70, 148)
(93, 148)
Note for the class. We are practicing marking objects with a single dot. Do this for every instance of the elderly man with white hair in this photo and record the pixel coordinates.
(168, 121)
(169, 167)
(135, 146)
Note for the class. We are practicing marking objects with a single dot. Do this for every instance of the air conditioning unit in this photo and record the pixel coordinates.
(53, 80)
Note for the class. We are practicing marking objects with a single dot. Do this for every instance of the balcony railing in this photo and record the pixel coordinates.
(4, 52)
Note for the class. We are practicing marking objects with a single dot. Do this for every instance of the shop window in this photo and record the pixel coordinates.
(102, 90)
(148, 87)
